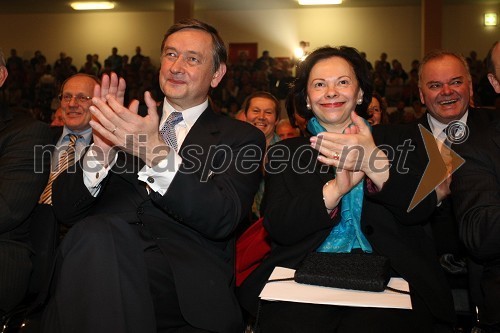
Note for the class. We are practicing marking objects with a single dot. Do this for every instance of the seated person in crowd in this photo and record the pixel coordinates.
(76, 98)
(23, 174)
(262, 110)
(285, 130)
(323, 199)
(476, 191)
(377, 110)
(156, 202)
(475, 188)
(295, 118)
(57, 118)
(68, 144)
(445, 86)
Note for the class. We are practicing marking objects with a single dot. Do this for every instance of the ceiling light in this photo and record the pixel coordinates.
(319, 2)
(92, 5)
(490, 19)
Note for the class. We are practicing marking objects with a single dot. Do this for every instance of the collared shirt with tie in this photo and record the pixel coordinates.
(68, 150)
(158, 177)
(66, 160)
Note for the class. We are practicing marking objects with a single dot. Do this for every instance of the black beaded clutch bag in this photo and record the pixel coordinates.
(358, 271)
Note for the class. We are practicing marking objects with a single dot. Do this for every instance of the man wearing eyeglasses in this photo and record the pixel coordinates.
(76, 98)
(76, 134)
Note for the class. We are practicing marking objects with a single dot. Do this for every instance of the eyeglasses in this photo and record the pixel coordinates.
(80, 98)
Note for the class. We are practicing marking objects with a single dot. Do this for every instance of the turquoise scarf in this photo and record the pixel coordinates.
(346, 235)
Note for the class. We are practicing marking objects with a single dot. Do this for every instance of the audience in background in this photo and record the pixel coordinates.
(262, 110)
(57, 118)
(285, 130)
(377, 110)
(243, 78)
(115, 61)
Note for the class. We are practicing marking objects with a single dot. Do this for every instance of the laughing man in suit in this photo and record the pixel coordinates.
(446, 89)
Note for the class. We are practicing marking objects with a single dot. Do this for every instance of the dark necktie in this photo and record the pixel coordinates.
(447, 134)
(445, 153)
(66, 159)
(168, 131)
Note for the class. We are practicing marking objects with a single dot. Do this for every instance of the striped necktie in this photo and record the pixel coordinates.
(168, 131)
(66, 160)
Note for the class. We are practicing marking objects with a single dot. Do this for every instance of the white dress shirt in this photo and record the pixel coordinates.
(437, 127)
(158, 177)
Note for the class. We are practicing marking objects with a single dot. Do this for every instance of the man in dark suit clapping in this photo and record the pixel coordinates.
(156, 204)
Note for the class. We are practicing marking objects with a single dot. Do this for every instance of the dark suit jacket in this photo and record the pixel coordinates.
(23, 174)
(20, 185)
(194, 222)
(298, 222)
(443, 220)
(44, 230)
(476, 193)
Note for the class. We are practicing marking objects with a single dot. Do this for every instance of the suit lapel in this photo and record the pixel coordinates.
(496, 134)
(5, 117)
(56, 133)
(204, 131)
(424, 122)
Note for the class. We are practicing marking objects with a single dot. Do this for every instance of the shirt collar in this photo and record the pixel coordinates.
(86, 134)
(437, 127)
(189, 115)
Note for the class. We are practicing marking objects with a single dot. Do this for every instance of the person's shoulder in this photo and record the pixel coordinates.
(14, 116)
(56, 132)
(484, 115)
(292, 143)
(394, 133)
(238, 128)
(27, 122)
(496, 125)
(20, 122)
(236, 124)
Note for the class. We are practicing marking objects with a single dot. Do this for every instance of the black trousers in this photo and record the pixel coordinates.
(15, 271)
(110, 276)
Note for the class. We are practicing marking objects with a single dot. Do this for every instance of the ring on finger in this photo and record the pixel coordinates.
(114, 130)
(336, 155)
